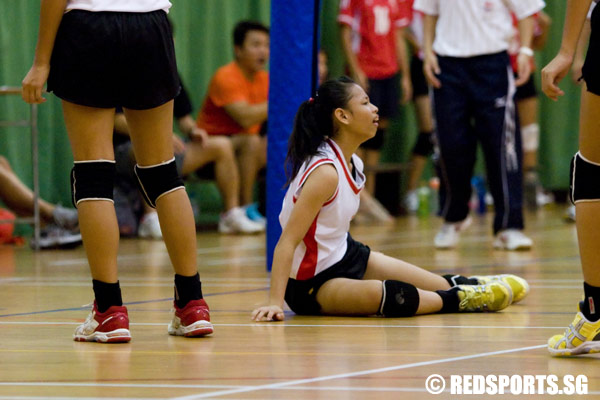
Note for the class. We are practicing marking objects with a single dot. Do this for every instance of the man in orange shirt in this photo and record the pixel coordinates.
(236, 103)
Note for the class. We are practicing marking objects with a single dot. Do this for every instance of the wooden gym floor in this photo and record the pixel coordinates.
(41, 298)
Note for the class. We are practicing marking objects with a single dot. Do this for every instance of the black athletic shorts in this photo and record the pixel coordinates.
(419, 83)
(384, 93)
(110, 59)
(527, 90)
(301, 296)
(591, 67)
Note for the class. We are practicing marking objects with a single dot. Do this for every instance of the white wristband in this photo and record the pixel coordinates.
(526, 50)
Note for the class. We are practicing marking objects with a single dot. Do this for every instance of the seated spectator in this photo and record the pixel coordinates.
(61, 224)
(134, 215)
(236, 105)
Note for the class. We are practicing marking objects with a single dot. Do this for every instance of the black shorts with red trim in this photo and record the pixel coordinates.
(111, 59)
(301, 296)
(591, 67)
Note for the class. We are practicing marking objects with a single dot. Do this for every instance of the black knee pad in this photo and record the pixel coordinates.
(92, 180)
(399, 299)
(157, 180)
(584, 180)
(424, 145)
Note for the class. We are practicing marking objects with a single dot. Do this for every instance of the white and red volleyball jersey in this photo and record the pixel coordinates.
(325, 242)
(373, 24)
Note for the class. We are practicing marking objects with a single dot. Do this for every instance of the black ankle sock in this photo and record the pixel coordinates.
(107, 295)
(591, 304)
(187, 288)
(455, 280)
(449, 300)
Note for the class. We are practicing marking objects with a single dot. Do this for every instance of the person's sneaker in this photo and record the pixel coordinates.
(570, 213)
(493, 296)
(411, 202)
(512, 239)
(66, 218)
(448, 235)
(150, 227)
(54, 236)
(543, 198)
(236, 221)
(111, 326)
(518, 285)
(581, 337)
(254, 215)
(191, 320)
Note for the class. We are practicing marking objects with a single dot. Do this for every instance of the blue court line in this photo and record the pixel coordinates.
(127, 304)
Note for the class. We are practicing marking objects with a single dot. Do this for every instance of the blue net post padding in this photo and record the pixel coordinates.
(293, 75)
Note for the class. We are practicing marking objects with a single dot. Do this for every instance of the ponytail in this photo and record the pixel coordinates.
(314, 122)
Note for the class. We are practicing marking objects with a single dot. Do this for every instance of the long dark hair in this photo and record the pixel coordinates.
(314, 122)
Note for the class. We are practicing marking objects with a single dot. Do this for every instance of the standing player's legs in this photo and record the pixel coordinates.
(497, 129)
(587, 226)
(423, 147)
(92, 180)
(152, 143)
(528, 117)
(151, 136)
(457, 149)
(527, 106)
(583, 335)
(90, 134)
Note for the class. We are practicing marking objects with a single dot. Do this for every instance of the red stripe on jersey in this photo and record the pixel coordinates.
(343, 162)
(308, 266)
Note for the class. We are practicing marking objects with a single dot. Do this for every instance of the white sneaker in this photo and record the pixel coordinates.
(236, 221)
(254, 215)
(570, 213)
(512, 239)
(411, 201)
(489, 200)
(150, 227)
(54, 236)
(448, 235)
(542, 198)
(66, 218)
